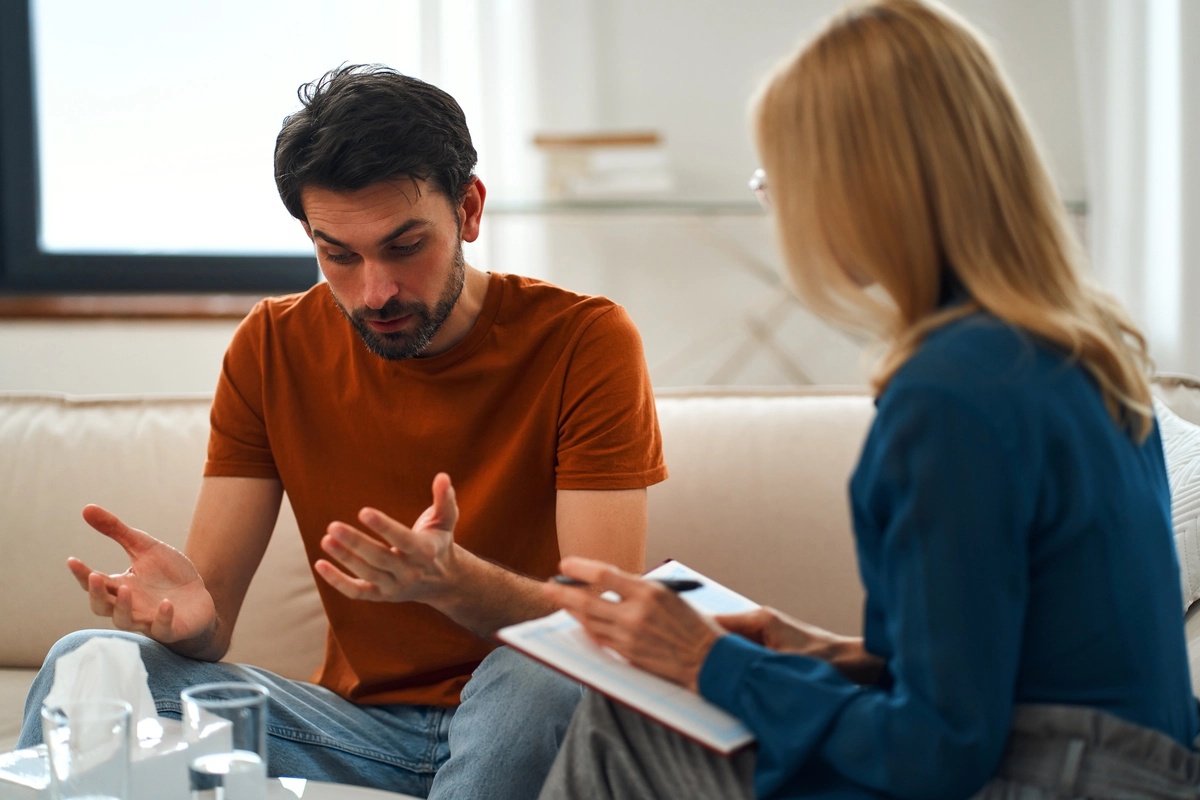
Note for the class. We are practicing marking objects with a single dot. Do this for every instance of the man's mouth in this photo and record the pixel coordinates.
(390, 325)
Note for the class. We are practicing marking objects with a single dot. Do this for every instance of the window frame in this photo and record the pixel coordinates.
(27, 269)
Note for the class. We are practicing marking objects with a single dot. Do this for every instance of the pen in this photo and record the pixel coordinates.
(674, 584)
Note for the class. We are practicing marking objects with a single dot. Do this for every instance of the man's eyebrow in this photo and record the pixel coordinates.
(400, 231)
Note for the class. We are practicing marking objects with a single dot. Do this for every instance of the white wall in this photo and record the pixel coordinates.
(687, 68)
(112, 357)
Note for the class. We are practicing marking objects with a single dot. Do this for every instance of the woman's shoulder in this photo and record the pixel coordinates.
(988, 364)
(977, 347)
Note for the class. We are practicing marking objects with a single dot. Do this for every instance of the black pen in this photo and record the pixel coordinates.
(674, 584)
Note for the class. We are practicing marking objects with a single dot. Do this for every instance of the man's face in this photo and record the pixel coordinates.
(392, 254)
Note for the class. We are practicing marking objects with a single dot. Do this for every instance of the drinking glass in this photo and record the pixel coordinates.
(240, 774)
(88, 745)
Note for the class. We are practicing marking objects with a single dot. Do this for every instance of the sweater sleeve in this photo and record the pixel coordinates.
(941, 527)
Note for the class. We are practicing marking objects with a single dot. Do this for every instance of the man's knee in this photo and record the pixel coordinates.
(76, 639)
(525, 684)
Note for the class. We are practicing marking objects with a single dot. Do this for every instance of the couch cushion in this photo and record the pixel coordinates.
(140, 457)
(14, 686)
(1181, 393)
(758, 495)
(1181, 446)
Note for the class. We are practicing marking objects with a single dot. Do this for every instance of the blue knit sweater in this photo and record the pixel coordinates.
(1016, 547)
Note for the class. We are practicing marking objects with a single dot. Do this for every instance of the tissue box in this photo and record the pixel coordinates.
(159, 768)
(25, 774)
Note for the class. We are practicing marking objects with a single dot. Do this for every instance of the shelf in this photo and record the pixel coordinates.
(676, 208)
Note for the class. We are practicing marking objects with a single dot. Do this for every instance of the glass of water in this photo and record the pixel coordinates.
(87, 742)
(241, 773)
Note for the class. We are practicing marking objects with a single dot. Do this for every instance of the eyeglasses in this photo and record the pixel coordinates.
(758, 185)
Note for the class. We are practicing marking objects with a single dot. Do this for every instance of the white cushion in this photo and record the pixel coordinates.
(141, 457)
(1180, 392)
(758, 496)
(1181, 446)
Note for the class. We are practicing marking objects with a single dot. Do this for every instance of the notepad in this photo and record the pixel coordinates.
(559, 642)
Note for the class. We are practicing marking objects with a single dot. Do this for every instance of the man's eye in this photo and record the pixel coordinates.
(407, 249)
(338, 258)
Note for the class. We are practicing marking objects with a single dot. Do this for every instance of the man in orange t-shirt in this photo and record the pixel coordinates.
(406, 368)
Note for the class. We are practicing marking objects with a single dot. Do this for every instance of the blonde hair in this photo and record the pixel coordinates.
(897, 156)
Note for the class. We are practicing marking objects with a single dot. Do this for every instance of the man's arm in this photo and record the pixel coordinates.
(230, 530)
(186, 600)
(423, 563)
(608, 525)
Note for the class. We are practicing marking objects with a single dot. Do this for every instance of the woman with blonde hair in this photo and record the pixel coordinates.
(1023, 630)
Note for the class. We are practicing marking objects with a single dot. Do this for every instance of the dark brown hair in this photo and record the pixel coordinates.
(362, 124)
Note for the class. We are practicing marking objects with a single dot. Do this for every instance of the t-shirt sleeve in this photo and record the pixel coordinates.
(940, 483)
(608, 428)
(238, 444)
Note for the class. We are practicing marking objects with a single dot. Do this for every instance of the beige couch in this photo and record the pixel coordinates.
(756, 498)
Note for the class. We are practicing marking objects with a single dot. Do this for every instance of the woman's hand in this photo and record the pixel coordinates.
(783, 634)
(650, 626)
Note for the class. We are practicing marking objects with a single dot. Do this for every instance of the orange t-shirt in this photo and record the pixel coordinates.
(548, 391)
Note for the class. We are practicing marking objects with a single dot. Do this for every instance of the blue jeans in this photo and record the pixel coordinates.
(499, 743)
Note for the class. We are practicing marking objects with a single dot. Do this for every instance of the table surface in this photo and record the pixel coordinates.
(294, 788)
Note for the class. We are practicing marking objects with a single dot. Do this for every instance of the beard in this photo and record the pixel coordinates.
(412, 343)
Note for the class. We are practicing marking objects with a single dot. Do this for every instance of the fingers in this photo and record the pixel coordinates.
(386, 560)
(603, 575)
(80, 571)
(107, 523)
(429, 536)
(750, 624)
(100, 598)
(123, 618)
(107, 598)
(354, 588)
(650, 626)
(400, 537)
(359, 554)
(122, 610)
(164, 621)
(445, 503)
(603, 618)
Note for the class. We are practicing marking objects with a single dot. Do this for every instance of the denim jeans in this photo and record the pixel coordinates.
(499, 743)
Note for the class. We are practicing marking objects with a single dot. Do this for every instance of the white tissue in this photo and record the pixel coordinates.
(104, 668)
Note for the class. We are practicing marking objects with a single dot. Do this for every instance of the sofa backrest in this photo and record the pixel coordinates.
(140, 457)
(757, 495)
(756, 499)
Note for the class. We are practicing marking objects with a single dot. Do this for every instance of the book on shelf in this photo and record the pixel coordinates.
(559, 641)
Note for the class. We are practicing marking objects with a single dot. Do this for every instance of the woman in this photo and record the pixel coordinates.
(1023, 630)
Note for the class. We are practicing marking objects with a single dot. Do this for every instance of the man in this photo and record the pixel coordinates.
(405, 369)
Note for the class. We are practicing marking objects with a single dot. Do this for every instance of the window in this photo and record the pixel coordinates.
(136, 137)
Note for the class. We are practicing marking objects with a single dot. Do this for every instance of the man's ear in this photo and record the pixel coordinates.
(470, 209)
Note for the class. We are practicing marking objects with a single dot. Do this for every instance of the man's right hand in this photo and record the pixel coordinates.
(161, 595)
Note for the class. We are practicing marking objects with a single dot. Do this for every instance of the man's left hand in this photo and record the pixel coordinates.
(397, 563)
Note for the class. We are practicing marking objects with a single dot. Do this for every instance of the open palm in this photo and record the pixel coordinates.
(161, 595)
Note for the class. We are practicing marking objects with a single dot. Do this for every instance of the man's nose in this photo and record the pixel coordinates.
(379, 285)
